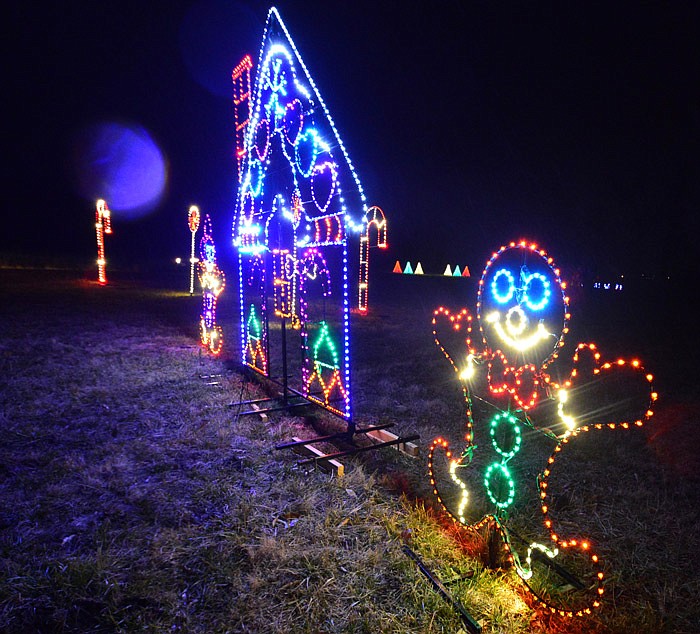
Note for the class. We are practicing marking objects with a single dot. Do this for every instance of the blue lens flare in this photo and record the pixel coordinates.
(122, 164)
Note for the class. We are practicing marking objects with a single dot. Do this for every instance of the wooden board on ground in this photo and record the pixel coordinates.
(263, 415)
(332, 466)
(382, 435)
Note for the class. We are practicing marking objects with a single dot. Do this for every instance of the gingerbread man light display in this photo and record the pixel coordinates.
(523, 317)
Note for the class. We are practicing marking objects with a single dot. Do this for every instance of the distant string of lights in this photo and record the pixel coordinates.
(521, 278)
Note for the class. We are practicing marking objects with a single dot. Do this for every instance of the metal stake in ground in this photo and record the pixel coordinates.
(471, 625)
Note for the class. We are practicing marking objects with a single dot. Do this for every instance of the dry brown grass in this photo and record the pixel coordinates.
(134, 499)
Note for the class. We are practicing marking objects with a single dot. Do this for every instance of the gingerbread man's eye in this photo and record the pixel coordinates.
(503, 286)
(536, 291)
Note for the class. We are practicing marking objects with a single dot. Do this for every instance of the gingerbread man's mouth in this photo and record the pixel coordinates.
(516, 323)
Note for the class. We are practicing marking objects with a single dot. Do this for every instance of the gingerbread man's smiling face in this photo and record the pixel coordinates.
(522, 308)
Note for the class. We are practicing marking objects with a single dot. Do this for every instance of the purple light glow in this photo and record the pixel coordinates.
(122, 164)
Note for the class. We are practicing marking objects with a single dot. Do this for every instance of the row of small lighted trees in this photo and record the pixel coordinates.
(418, 270)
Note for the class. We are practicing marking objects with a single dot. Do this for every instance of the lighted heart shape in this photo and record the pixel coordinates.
(619, 392)
(262, 139)
(452, 334)
(527, 384)
(256, 177)
(306, 151)
(323, 184)
(500, 377)
(293, 120)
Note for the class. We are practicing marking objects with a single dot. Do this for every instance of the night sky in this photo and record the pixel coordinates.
(471, 124)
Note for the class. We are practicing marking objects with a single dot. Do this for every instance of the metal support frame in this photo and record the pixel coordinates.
(289, 398)
(469, 622)
(358, 449)
(337, 435)
(277, 404)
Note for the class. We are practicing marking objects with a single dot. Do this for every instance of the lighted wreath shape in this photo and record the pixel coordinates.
(523, 317)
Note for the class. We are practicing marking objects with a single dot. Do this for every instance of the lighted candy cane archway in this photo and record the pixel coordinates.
(375, 221)
(509, 369)
(300, 205)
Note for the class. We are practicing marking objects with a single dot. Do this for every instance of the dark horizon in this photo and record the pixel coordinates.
(471, 126)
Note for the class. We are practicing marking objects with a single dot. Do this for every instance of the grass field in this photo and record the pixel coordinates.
(134, 497)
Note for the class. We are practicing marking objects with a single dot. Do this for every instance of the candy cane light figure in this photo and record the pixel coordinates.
(103, 225)
(374, 218)
(193, 217)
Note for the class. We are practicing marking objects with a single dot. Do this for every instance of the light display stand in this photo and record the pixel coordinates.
(300, 206)
(515, 372)
(473, 626)
(289, 399)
